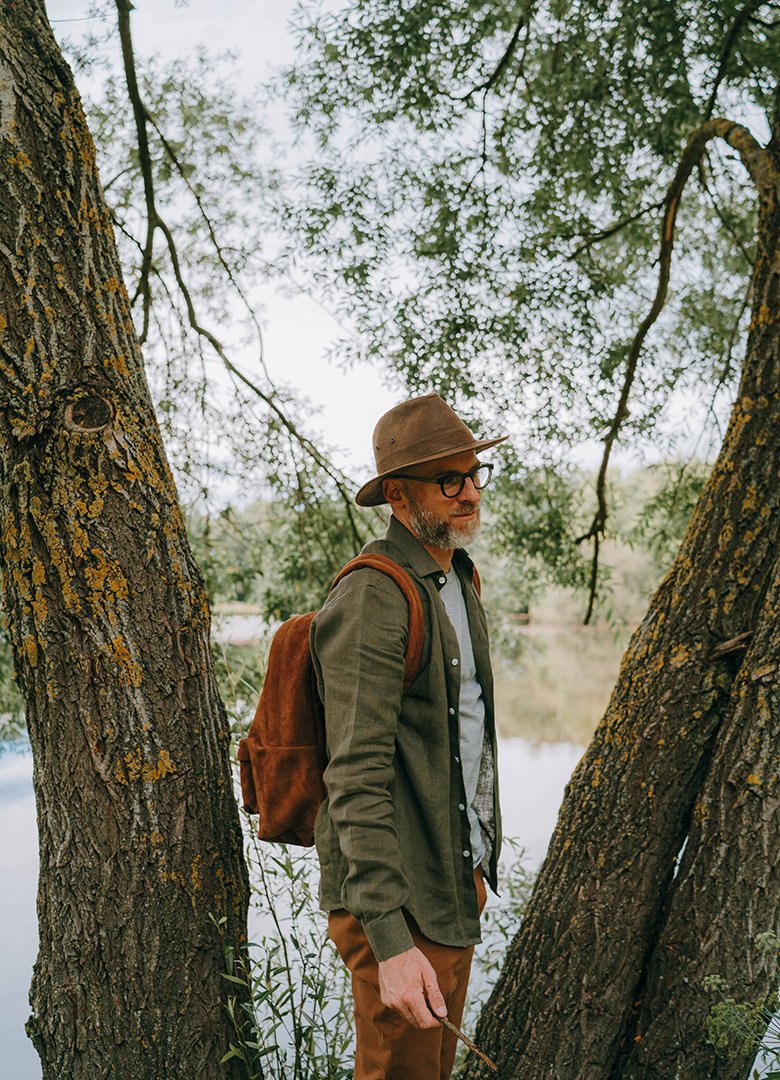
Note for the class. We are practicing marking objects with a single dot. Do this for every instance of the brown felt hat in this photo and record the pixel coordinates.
(418, 430)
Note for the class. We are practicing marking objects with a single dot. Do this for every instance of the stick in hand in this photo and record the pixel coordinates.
(464, 1038)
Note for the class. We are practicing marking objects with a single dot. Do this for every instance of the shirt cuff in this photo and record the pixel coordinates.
(388, 935)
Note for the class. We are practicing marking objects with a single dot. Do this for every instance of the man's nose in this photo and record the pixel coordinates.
(470, 492)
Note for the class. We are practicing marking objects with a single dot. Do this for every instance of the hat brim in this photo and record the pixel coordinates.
(371, 492)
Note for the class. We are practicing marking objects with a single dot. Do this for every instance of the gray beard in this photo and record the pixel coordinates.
(431, 530)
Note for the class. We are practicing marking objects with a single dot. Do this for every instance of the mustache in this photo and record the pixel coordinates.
(466, 509)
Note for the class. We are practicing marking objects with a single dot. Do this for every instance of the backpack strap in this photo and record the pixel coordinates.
(389, 566)
(477, 581)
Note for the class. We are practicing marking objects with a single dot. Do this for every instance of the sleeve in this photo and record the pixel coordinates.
(359, 641)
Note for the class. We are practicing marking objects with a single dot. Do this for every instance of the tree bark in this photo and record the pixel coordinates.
(727, 891)
(140, 842)
(564, 1005)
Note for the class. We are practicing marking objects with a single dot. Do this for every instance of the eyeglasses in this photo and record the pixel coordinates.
(452, 483)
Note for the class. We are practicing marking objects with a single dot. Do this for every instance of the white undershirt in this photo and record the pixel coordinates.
(471, 709)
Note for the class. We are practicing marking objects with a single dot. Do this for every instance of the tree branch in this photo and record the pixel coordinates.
(267, 398)
(500, 67)
(213, 237)
(154, 222)
(611, 230)
(117, 176)
(763, 174)
(119, 224)
(735, 644)
(730, 41)
(719, 212)
(140, 114)
(774, 142)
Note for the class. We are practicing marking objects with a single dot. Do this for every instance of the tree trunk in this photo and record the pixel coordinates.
(564, 1004)
(727, 891)
(140, 842)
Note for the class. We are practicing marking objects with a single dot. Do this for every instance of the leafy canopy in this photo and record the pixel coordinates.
(478, 189)
(468, 159)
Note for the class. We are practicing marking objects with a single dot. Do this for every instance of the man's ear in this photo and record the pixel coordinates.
(393, 491)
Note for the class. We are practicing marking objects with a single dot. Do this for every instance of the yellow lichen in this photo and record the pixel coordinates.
(31, 649)
(195, 873)
(680, 655)
(655, 665)
(750, 501)
(764, 317)
(129, 669)
(165, 766)
(117, 363)
(136, 768)
(106, 582)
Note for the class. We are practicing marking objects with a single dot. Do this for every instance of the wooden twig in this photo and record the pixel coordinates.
(735, 644)
(500, 67)
(465, 1039)
(612, 230)
(730, 41)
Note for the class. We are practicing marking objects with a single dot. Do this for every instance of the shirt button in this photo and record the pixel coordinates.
(461, 806)
(454, 661)
(452, 712)
(466, 854)
(457, 759)
(442, 581)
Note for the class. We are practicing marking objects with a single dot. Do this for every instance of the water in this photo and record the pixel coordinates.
(18, 923)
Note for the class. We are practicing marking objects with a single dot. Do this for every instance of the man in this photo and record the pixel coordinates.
(411, 825)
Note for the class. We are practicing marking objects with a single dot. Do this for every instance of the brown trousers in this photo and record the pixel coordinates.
(389, 1048)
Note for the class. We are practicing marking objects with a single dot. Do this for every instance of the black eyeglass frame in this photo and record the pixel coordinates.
(440, 480)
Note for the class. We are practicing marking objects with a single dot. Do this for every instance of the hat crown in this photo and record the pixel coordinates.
(416, 430)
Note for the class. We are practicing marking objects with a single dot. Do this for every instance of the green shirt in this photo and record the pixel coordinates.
(393, 833)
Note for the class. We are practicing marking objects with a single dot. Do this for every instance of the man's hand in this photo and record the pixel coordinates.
(407, 983)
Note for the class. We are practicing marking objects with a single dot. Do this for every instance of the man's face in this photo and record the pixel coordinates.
(436, 520)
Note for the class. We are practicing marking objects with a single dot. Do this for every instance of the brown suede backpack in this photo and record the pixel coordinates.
(283, 757)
